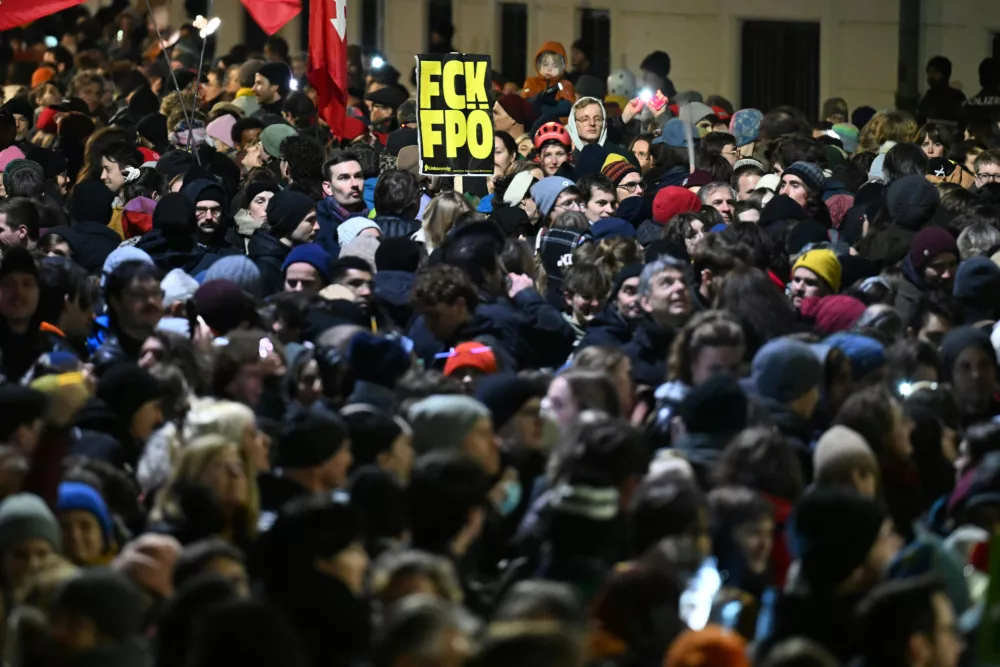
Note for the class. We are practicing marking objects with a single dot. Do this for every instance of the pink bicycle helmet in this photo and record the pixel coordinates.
(552, 131)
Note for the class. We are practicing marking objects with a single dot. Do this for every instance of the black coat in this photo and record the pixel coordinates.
(648, 350)
(392, 294)
(608, 327)
(393, 226)
(268, 253)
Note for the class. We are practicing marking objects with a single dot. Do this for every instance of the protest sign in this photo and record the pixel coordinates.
(454, 115)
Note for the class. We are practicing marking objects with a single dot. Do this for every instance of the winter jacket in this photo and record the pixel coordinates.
(393, 226)
(909, 290)
(392, 293)
(828, 621)
(648, 350)
(268, 253)
(329, 215)
(480, 328)
(95, 243)
(169, 254)
(369, 192)
(537, 84)
(608, 327)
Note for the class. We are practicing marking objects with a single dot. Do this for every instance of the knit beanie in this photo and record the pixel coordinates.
(977, 287)
(441, 422)
(273, 135)
(781, 207)
(286, 210)
(106, 598)
(849, 136)
(546, 191)
(91, 202)
(929, 243)
(178, 287)
(809, 173)
(911, 201)
(518, 108)
(673, 200)
(175, 217)
(838, 451)
(712, 646)
(377, 359)
(221, 129)
(310, 438)
(24, 516)
(716, 406)
(278, 73)
(255, 188)
(312, 254)
(471, 354)
(75, 496)
(363, 247)
(126, 387)
(823, 263)
(673, 134)
(831, 532)
(8, 155)
(785, 369)
(120, 255)
(153, 128)
(658, 63)
(745, 126)
(223, 305)
(833, 313)
(15, 166)
(401, 253)
(959, 339)
(240, 270)
(609, 228)
(617, 168)
(866, 354)
(628, 271)
(505, 394)
(348, 230)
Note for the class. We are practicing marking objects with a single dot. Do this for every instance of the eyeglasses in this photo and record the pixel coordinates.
(630, 187)
(203, 211)
(591, 120)
(573, 204)
(989, 178)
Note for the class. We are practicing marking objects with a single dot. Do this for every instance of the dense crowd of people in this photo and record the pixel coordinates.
(271, 396)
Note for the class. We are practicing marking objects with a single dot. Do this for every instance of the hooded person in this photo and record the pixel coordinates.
(90, 538)
(116, 422)
(396, 263)
(290, 221)
(969, 362)
(211, 213)
(91, 209)
(843, 543)
(171, 244)
(910, 202)
(930, 264)
(550, 86)
(786, 377)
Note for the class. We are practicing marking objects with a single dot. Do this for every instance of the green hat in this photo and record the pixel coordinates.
(26, 517)
(273, 135)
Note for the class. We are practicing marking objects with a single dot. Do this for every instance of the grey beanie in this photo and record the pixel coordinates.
(441, 422)
(785, 369)
(238, 269)
(24, 516)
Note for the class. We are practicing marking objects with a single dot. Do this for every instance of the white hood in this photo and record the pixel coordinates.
(571, 123)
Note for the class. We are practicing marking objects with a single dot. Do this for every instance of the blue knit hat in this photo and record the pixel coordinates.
(865, 353)
(312, 254)
(745, 126)
(74, 496)
(785, 369)
(546, 191)
(809, 173)
(608, 228)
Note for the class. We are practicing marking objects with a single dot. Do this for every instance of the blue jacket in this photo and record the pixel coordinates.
(369, 192)
(329, 215)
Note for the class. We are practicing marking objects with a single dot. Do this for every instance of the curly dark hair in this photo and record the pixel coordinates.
(305, 158)
(443, 284)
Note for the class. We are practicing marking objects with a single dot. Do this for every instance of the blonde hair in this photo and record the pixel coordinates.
(441, 214)
(900, 127)
(215, 417)
(191, 465)
(869, 139)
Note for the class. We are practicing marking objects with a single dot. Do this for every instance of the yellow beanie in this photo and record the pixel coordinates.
(611, 159)
(823, 263)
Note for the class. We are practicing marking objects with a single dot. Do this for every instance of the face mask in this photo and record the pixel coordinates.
(511, 498)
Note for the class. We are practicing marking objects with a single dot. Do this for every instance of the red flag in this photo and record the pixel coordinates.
(15, 13)
(272, 15)
(328, 60)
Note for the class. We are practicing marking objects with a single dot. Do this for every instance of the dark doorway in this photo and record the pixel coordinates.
(780, 61)
(438, 15)
(371, 25)
(595, 33)
(514, 41)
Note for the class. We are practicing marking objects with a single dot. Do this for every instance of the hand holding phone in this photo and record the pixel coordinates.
(658, 101)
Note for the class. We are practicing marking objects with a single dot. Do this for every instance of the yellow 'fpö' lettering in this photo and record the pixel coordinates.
(458, 131)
